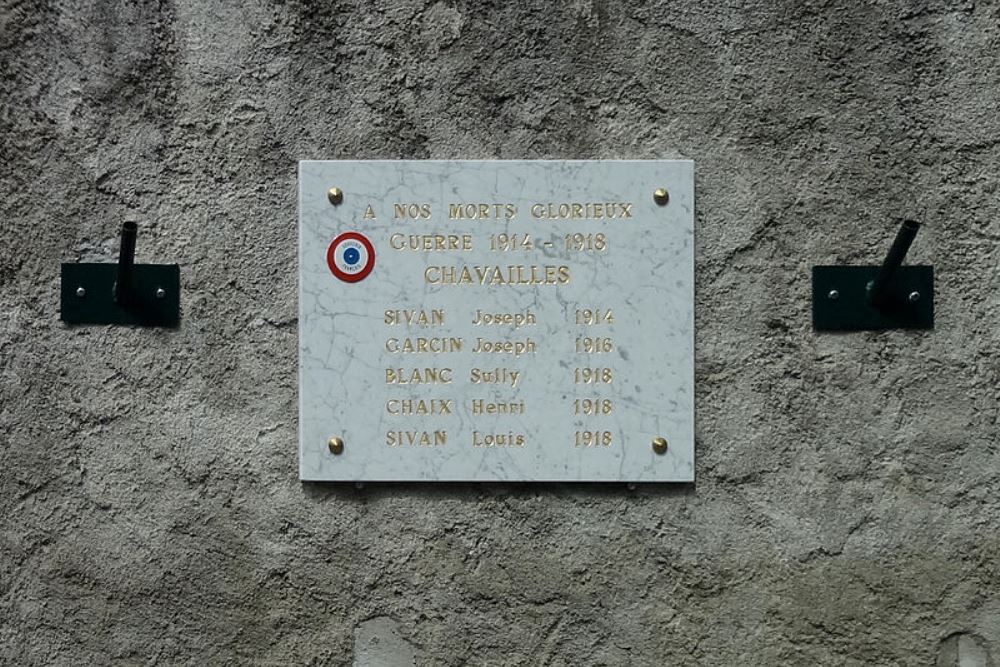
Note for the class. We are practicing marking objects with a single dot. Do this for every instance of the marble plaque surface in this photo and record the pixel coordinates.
(496, 320)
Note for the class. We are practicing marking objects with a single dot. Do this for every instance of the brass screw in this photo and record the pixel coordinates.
(660, 445)
(661, 196)
(335, 195)
(336, 445)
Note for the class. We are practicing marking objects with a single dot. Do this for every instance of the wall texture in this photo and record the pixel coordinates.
(848, 497)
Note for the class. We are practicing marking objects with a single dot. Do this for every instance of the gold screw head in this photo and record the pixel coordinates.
(661, 196)
(660, 445)
(336, 445)
(335, 195)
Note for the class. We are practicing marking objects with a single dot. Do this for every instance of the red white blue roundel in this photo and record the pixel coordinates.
(351, 257)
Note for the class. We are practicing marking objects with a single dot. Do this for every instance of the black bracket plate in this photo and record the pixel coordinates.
(88, 295)
(841, 301)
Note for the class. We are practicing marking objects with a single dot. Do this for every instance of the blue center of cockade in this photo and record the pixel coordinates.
(351, 256)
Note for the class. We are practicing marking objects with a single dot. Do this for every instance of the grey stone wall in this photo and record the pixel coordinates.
(846, 510)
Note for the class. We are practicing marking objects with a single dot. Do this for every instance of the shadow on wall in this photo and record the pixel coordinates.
(959, 650)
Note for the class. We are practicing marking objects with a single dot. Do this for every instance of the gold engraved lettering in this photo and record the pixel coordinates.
(517, 320)
(423, 345)
(418, 376)
(581, 210)
(508, 242)
(420, 407)
(411, 211)
(593, 406)
(593, 375)
(593, 438)
(495, 376)
(481, 211)
(509, 439)
(594, 345)
(514, 347)
(594, 316)
(586, 242)
(511, 274)
(420, 318)
(481, 406)
(416, 438)
(430, 242)
(369, 213)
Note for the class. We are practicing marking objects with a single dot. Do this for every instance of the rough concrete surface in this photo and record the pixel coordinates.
(847, 504)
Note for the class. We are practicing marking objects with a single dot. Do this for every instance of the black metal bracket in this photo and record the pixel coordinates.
(146, 295)
(867, 298)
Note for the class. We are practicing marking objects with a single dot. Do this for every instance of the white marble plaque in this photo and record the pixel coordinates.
(496, 320)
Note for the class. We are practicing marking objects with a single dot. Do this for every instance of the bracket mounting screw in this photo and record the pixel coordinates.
(914, 297)
(660, 445)
(335, 195)
(661, 196)
(80, 292)
(161, 293)
(336, 445)
(833, 295)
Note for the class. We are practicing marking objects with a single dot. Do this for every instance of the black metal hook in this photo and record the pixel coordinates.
(122, 293)
(126, 263)
(879, 293)
(890, 296)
